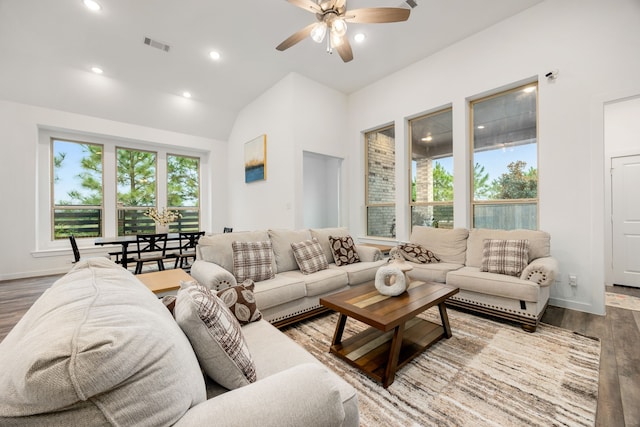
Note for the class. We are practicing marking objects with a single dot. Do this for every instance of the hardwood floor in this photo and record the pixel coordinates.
(619, 332)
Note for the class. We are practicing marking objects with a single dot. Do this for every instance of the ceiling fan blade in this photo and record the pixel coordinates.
(307, 5)
(296, 37)
(344, 50)
(377, 15)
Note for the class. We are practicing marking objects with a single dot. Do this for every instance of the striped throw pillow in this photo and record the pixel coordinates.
(252, 260)
(505, 256)
(309, 256)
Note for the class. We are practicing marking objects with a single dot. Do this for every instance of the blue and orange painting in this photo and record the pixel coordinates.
(255, 159)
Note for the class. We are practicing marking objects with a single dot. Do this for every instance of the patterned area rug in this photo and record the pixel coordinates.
(622, 301)
(488, 374)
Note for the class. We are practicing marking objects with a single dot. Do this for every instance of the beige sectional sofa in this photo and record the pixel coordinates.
(522, 299)
(290, 295)
(99, 348)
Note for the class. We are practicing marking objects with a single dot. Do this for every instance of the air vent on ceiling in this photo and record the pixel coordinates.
(158, 45)
(411, 3)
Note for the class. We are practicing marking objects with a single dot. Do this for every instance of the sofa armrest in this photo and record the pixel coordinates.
(368, 253)
(542, 271)
(304, 395)
(212, 275)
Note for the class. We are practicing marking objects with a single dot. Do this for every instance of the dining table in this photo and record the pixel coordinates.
(125, 241)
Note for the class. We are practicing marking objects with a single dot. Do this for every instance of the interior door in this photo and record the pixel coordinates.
(625, 199)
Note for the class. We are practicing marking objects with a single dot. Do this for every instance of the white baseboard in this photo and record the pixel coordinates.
(28, 274)
(576, 305)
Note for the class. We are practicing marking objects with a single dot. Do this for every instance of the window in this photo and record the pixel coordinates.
(77, 207)
(505, 173)
(136, 191)
(380, 191)
(431, 177)
(183, 191)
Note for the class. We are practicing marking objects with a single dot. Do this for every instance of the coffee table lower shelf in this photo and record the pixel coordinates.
(370, 350)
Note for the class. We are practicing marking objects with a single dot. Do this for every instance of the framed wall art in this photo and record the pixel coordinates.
(255, 159)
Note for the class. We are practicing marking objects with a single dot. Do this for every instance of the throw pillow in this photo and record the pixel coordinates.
(169, 301)
(505, 256)
(252, 260)
(344, 250)
(417, 253)
(216, 337)
(241, 302)
(309, 256)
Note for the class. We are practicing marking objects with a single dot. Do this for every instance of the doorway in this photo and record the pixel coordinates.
(321, 190)
(625, 217)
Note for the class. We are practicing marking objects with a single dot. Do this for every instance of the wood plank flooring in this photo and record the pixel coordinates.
(619, 332)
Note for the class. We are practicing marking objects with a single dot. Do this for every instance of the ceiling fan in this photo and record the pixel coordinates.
(333, 16)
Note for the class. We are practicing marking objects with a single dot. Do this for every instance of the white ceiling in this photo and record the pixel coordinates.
(64, 35)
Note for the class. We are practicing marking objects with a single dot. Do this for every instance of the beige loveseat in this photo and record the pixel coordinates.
(99, 349)
(522, 299)
(290, 295)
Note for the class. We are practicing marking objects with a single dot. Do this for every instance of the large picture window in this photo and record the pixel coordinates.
(183, 191)
(431, 179)
(77, 207)
(380, 192)
(136, 191)
(505, 173)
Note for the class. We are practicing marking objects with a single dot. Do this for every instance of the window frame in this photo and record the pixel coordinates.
(502, 202)
(366, 181)
(410, 165)
(53, 207)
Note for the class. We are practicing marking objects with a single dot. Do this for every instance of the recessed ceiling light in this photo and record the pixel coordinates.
(359, 37)
(92, 5)
(480, 126)
(214, 55)
(186, 94)
(427, 138)
(97, 70)
(529, 89)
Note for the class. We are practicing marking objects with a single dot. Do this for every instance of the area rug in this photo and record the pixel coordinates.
(627, 302)
(488, 374)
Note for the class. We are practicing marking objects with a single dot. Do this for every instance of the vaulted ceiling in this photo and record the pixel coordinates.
(47, 49)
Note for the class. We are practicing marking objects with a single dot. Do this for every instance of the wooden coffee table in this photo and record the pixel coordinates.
(164, 281)
(396, 335)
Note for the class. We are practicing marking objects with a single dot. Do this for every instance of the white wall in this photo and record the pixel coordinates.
(321, 190)
(297, 115)
(595, 46)
(22, 254)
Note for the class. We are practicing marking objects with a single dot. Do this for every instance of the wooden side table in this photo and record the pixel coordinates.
(160, 282)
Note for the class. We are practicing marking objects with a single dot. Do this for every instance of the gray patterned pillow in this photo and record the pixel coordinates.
(309, 256)
(252, 260)
(216, 337)
(505, 256)
(344, 250)
(417, 253)
(241, 302)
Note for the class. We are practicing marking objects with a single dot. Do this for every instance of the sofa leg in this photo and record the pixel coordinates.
(529, 328)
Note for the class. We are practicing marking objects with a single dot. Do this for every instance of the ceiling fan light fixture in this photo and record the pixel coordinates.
(318, 32)
(336, 40)
(339, 26)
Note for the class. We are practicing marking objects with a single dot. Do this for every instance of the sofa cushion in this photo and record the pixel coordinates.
(216, 248)
(309, 256)
(322, 234)
(252, 260)
(320, 282)
(89, 347)
(432, 272)
(216, 336)
(281, 241)
(417, 253)
(343, 250)
(360, 272)
(241, 302)
(279, 290)
(539, 243)
(450, 245)
(500, 285)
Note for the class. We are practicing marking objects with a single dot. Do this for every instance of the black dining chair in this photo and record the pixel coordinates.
(74, 248)
(188, 242)
(227, 230)
(150, 248)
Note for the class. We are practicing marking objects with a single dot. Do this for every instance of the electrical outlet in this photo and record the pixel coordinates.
(573, 280)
